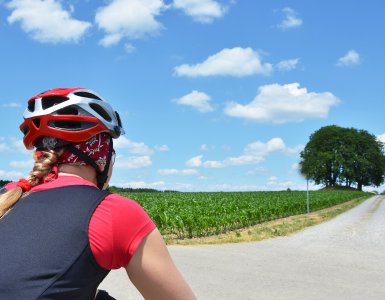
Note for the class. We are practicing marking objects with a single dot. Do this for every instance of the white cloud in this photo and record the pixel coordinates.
(228, 62)
(10, 175)
(197, 100)
(232, 187)
(140, 184)
(253, 153)
(4, 147)
(351, 58)
(178, 172)
(291, 19)
(287, 65)
(204, 147)
(273, 178)
(381, 137)
(133, 162)
(278, 186)
(295, 166)
(162, 148)
(195, 161)
(131, 19)
(23, 164)
(46, 21)
(295, 150)
(133, 147)
(11, 105)
(280, 104)
(202, 11)
(18, 145)
(214, 164)
(129, 48)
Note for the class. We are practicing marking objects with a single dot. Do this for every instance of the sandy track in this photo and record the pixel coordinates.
(341, 259)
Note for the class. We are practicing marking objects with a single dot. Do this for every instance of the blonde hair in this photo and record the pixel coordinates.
(44, 163)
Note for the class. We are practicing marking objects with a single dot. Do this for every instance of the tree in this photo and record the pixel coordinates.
(343, 156)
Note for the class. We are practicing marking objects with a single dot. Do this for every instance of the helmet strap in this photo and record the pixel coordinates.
(101, 176)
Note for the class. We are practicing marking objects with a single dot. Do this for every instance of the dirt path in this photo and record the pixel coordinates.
(341, 259)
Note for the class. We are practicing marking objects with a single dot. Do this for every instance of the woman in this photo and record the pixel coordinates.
(61, 232)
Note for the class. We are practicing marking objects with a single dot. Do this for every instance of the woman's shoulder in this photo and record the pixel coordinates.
(116, 229)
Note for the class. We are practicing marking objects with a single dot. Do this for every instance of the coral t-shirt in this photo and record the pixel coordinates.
(117, 226)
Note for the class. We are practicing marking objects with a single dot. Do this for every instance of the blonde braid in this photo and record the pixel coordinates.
(42, 167)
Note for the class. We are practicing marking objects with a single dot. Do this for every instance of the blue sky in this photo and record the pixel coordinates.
(214, 95)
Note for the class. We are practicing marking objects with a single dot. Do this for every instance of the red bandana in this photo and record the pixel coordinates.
(96, 148)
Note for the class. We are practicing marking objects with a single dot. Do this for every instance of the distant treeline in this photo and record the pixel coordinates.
(4, 182)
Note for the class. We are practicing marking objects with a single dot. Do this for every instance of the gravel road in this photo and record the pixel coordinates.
(340, 259)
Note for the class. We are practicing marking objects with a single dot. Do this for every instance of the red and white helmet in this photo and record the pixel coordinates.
(68, 114)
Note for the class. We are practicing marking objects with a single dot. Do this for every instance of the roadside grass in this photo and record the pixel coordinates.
(271, 229)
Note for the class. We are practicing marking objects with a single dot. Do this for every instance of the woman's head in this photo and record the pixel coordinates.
(76, 122)
(68, 127)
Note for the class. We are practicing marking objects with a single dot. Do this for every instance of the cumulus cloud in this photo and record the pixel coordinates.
(11, 175)
(202, 11)
(11, 105)
(381, 138)
(178, 172)
(275, 185)
(140, 184)
(22, 164)
(253, 153)
(195, 161)
(214, 164)
(295, 150)
(18, 145)
(280, 104)
(162, 148)
(46, 21)
(228, 62)
(129, 48)
(130, 19)
(133, 147)
(232, 187)
(291, 19)
(197, 100)
(287, 65)
(132, 162)
(351, 58)
(4, 147)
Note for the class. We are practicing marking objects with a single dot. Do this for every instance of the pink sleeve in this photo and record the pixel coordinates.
(116, 229)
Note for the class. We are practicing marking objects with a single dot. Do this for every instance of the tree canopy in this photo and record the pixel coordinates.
(337, 156)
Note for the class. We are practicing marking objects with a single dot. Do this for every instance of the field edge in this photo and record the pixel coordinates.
(280, 227)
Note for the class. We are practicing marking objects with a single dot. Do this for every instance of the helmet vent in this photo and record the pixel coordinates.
(25, 130)
(87, 95)
(31, 105)
(70, 125)
(70, 110)
(50, 101)
(101, 111)
(36, 121)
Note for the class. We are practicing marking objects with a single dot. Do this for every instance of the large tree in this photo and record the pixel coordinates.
(343, 156)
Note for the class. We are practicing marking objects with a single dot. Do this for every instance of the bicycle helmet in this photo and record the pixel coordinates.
(63, 116)
(68, 114)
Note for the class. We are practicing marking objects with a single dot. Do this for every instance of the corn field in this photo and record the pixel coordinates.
(187, 215)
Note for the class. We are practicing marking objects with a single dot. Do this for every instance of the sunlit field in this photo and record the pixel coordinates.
(188, 215)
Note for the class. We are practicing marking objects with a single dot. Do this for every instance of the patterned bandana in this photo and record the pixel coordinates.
(96, 148)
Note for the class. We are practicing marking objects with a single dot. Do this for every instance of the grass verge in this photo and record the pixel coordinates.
(271, 229)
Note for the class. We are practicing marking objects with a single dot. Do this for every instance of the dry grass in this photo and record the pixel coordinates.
(280, 227)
